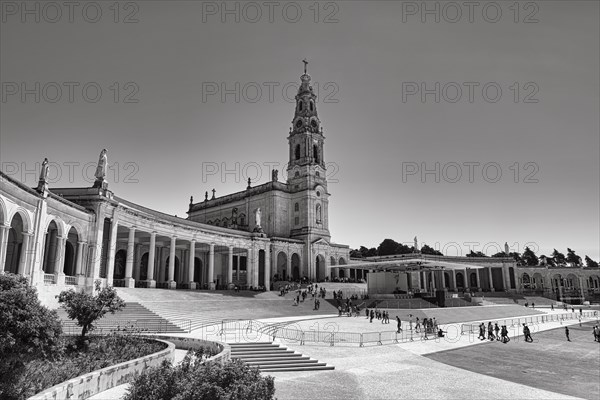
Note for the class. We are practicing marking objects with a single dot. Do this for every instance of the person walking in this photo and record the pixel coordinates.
(527, 333)
(399, 323)
(497, 329)
(567, 333)
(372, 316)
(417, 325)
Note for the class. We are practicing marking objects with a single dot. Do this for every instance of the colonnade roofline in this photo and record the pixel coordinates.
(228, 198)
(412, 264)
(438, 258)
(160, 217)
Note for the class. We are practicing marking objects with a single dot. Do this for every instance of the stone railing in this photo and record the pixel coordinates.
(70, 280)
(185, 343)
(49, 279)
(95, 382)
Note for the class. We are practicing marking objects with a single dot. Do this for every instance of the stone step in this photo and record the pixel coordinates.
(252, 344)
(293, 357)
(257, 349)
(282, 362)
(298, 368)
(261, 354)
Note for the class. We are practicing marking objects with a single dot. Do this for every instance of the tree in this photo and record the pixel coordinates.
(364, 251)
(429, 250)
(388, 247)
(28, 330)
(478, 254)
(372, 252)
(559, 258)
(573, 258)
(590, 263)
(355, 254)
(530, 258)
(88, 308)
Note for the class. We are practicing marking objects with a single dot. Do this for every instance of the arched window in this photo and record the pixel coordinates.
(312, 106)
(209, 222)
(316, 153)
(217, 222)
(242, 219)
(297, 174)
(296, 207)
(297, 152)
(318, 211)
(300, 106)
(317, 174)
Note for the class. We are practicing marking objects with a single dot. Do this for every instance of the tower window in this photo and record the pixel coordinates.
(312, 106)
(242, 219)
(318, 174)
(300, 106)
(318, 213)
(316, 153)
(297, 174)
(297, 152)
(296, 207)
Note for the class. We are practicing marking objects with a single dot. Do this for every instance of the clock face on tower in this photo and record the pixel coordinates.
(299, 123)
(313, 123)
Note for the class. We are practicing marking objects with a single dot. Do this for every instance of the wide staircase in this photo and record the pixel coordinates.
(134, 317)
(192, 309)
(269, 357)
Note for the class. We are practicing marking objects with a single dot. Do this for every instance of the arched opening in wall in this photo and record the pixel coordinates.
(320, 272)
(316, 154)
(342, 273)
(120, 261)
(460, 282)
(295, 266)
(473, 279)
(526, 281)
(281, 274)
(69, 265)
(176, 269)
(197, 270)
(144, 267)
(342, 261)
(14, 245)
(261, 268)
(446, 280)
(297, 152)
(511, 277)
(70, 268)
(50, 248)
(572, 282)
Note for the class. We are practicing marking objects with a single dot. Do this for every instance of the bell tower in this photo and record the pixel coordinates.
(306, 170)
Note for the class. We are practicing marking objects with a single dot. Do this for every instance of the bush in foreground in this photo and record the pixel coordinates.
(28, 331)
(196, 379)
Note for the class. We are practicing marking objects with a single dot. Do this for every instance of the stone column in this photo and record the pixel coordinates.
(129, 281)
(192, 252)
(268, 269)
(151, 252)
(171, 281)
(506, 277)
(4, 231)
(211, 267)
(478, 280)
(581, 291)
(79, 264)
(255, 267)
(249, 266)
(230, 266)
(466, 280)
(491, 279)
(58, 260)
(112, 249)
(453, 280)
(25, 253)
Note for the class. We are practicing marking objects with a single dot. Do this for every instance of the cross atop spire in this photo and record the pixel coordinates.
(305, 64)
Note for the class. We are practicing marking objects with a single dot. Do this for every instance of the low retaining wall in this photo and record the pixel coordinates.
(186, 343)
(103, 379)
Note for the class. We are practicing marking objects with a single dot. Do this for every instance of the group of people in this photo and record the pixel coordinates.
(497, 333)
(384, 316)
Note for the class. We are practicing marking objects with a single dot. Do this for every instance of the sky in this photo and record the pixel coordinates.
(466, 128)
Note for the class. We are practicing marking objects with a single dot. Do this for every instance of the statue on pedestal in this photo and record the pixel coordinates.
(274, 176)
(43, 181)
(257, 220)
(416, 245)
(506, 249)
(101, 171)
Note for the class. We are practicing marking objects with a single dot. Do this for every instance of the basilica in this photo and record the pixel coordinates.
(273, 231)
(64, 237)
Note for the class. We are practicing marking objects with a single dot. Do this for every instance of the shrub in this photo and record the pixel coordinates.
(28, 331)
(196, 379)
